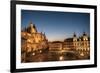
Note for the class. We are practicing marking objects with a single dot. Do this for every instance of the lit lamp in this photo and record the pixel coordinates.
(82, 54)
(33, 54)
(40, 51)
(61, 58)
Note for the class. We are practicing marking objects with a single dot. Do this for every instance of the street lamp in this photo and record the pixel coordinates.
(61, 58)
(33, 54)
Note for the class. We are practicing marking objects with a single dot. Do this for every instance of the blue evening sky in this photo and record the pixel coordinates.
(57, 25)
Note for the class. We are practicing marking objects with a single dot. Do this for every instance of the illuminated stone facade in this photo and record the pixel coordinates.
(55, 46)
(75, 43)
(78, 43)
(32, 40)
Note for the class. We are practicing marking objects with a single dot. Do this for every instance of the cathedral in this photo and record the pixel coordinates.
(32, 40)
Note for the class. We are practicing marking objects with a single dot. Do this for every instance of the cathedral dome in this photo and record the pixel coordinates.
(32, 28)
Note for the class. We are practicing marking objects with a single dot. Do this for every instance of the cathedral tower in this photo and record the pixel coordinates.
(32, 28)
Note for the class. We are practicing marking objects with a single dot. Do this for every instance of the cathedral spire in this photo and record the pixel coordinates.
(74, 35)
(44, 36)
(84, 34)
